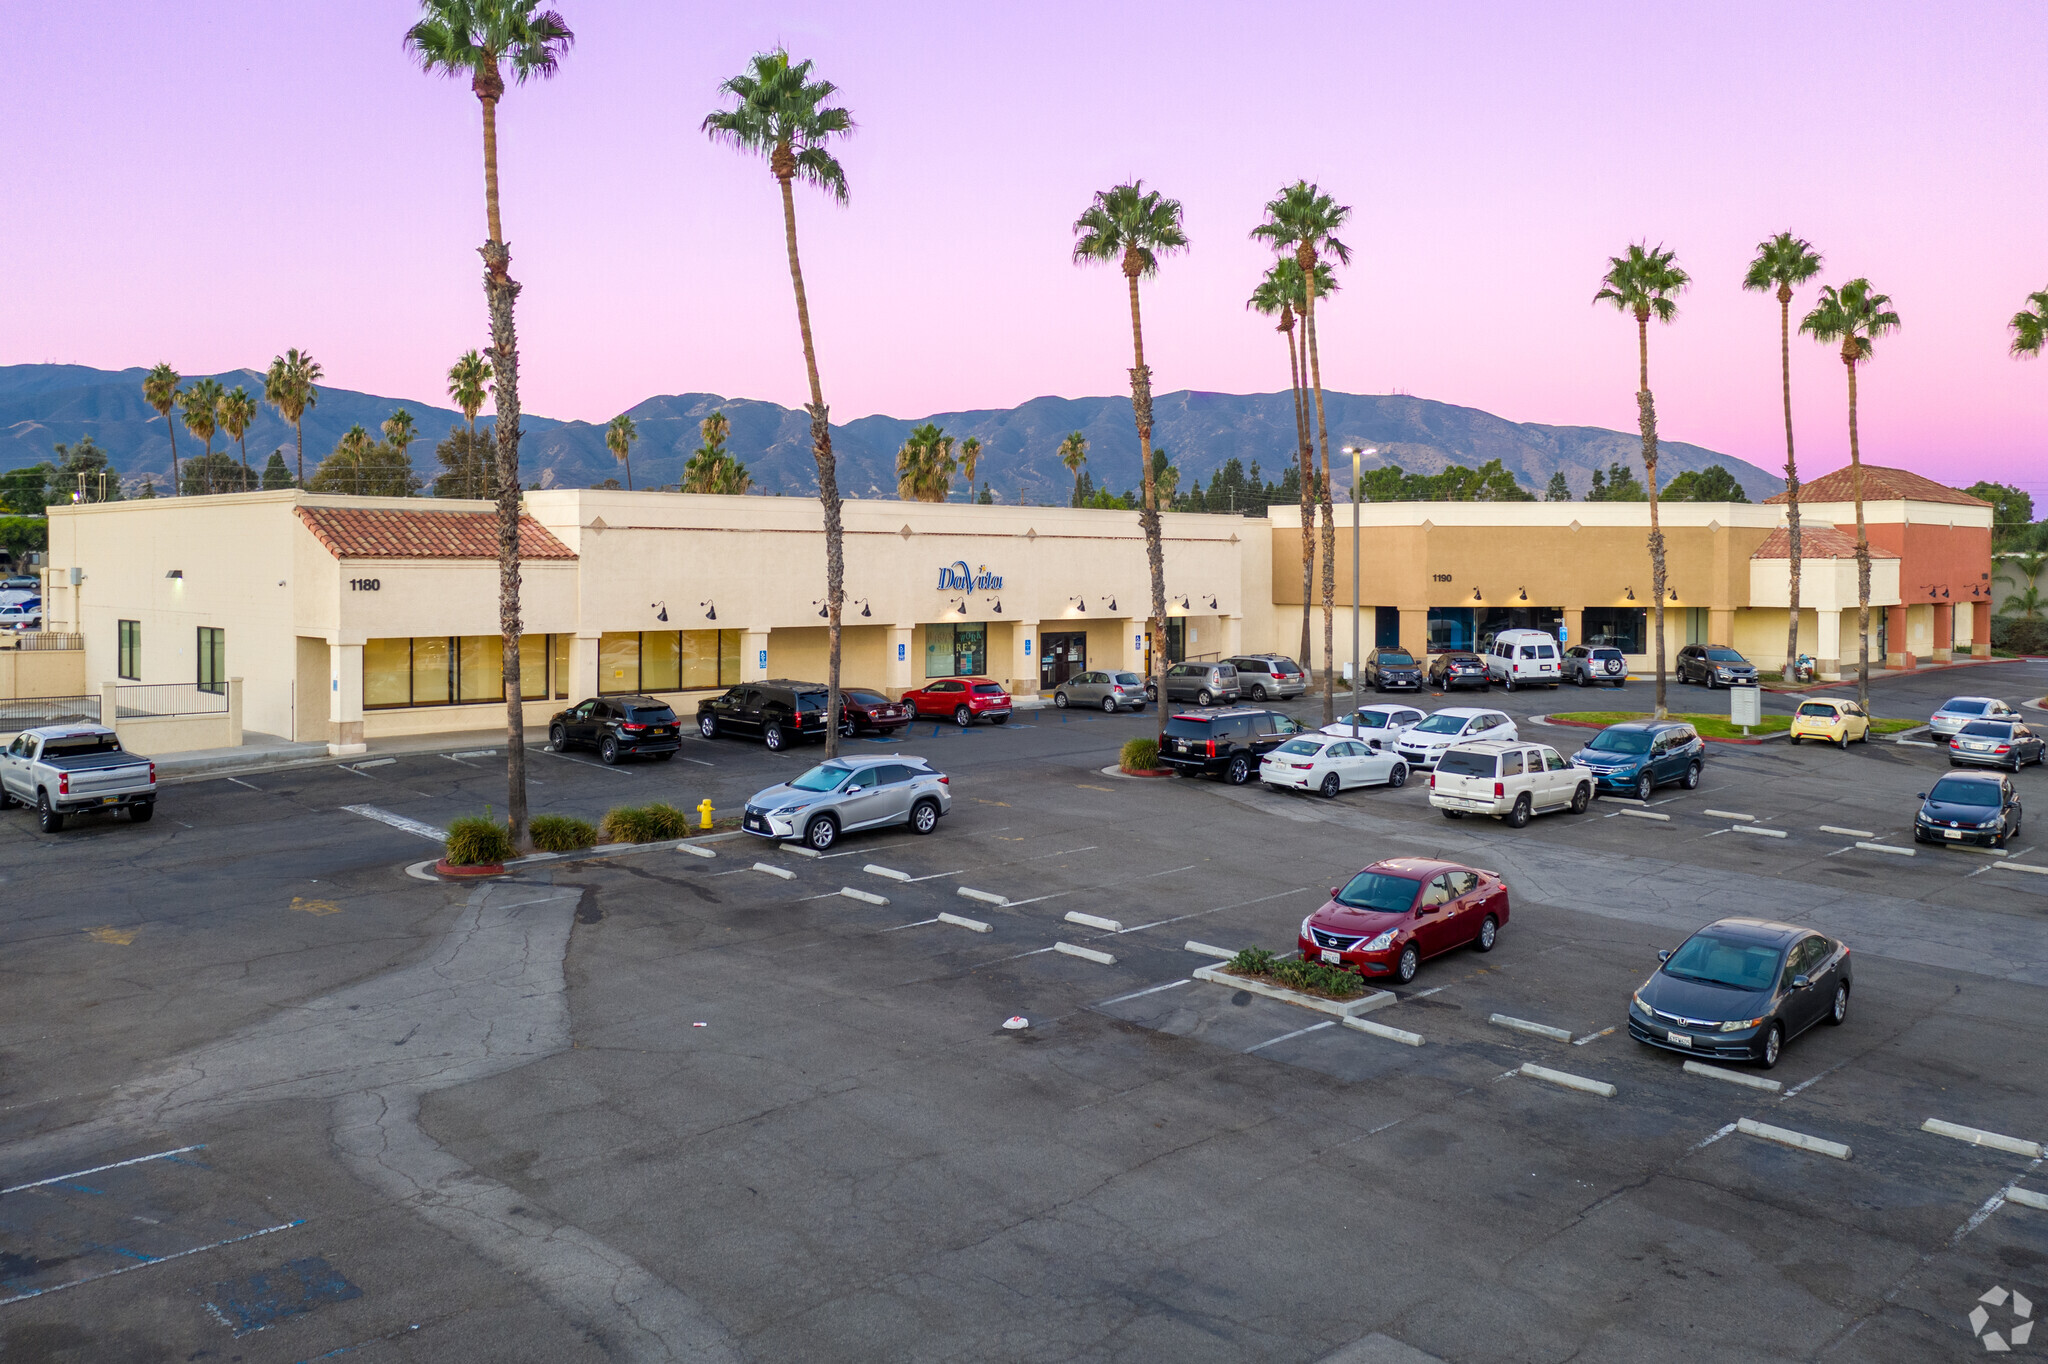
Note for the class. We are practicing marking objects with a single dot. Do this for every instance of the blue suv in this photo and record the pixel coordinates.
(1639, 756)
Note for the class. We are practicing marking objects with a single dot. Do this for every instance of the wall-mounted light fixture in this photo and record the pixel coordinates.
(1524, 595)
(710, 611)
(1674, 594)
(660, 609)
(823, 609)
(1629, 592)
(865, 612)
(1212, 601)
(1475, 594)
(1081, 604)
(1184, 602)
(1112, 603)
(999, 606)
(963, 606)
(175, 573)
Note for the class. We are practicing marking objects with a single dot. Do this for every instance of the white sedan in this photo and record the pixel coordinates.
(1378, 725)
(1424, 744)
(1328, 764)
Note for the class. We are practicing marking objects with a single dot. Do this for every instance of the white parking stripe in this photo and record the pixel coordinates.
(1289, 1036)
(1149, 990)
(411, 826)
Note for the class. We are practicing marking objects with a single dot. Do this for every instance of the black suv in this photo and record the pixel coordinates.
(1224, 743)
(617, 726)
(781, 712)
(1392, 668)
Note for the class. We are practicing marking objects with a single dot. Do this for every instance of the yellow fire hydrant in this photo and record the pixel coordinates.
(704, 812)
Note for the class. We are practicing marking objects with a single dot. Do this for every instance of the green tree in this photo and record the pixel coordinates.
(782, 114)
(291, 386)
(27, 491)
(160, 391)
(619, 435)
(215, 472)
(479, 39)
(1132, 227)
(21, 535)
(1711, 484)
(1643, 283)
(1074, 454)
(465, 456)
(200, 405)
(2012, 511)
(400, 431)
(1084, 488)
(1305, 219)
(275, 473)
(1618, 483)
(1855, 316)
(366, 468)
(2027, 601)
(925, 465)
(83, 472)
(712, 469)
(1558, 490)
(970, 459)
(2029, 327)
(1782, 263)
(469, 385)
(986, 498)
(237, 413)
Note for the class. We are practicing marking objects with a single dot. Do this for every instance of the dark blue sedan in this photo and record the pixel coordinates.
(1740, 989)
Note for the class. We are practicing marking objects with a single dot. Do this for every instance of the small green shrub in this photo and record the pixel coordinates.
(1308, 976)
(667, 821)
(645, 823)
(477, 841)
(562, 833)
(1139, 755)
(1255, 961)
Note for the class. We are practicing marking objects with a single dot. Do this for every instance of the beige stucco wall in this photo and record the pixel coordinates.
(43, 672)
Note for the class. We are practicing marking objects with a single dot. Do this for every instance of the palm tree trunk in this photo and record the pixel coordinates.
(1862, 554)
(1791, 475)
(629, 471)
(171, 426)
(1329, 537)
(1308, 515)
(206, 468)
(1148, 511)
(1646, 417)
(491, 175)
(828, 474)
(243, 441)
(500, 291)
(299, 430)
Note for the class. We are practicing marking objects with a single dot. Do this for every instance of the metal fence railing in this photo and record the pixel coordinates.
(27, 712)
(41, 639)
(139, 700)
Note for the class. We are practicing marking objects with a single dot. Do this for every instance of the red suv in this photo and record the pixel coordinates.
(1396, 912)
(963, 700)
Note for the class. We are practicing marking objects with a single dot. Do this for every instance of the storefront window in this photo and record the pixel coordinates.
(213, 659)
(956, 650)
(659, 661)
(430, 672)
(482, 661)
(1616, 627)
(630, 662)
(1450, 627)
(441, 670)
(533, 666)
(387, 673)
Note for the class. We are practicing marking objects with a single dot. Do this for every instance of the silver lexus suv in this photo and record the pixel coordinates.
(847, 794)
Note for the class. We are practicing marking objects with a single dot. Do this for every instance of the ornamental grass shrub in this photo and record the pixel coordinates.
(562, 833)
(1139, 755)
(1310, 977)
(477, 841)
(649, 823)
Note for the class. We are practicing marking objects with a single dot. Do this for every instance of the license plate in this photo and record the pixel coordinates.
(108, 800)
(1332, 957)
(1951, 833)
(1679, 1039)
(657, 733)
(755, 822)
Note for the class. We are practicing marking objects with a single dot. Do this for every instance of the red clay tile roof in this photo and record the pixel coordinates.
(1881, 485)
(384, 533)
(1815, 542)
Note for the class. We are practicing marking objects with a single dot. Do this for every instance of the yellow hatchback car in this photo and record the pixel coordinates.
(1835, 722)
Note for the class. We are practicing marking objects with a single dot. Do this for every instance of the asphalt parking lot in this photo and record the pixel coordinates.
(658, 1105)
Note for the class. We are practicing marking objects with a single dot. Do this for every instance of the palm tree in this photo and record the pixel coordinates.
(475, 38)
(469, 381)
(1074, 454)
(970, 458)
(711, 469)
(1642, 284)
(1781, 263)
(781, 113)
(1301, 216)
(160, 391)
(289, 386)
(201, 407)
(400, 430)
(1278, 293)
(619, 436)
(1133, 227)
(237, 414)
(2030, 326)
(2028, 601)
(1855, 315)
(2029, 565)
(925, 465)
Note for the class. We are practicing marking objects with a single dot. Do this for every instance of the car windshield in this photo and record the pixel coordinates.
(1127, 679)
(1725, 656)
(1442, 724)
(1397, 660)
(1819, 709)
(810, 700)
(1620, 741)
(1990, 729)
(1367, 719)
(865, 698)
(1181, 727)
(1286, 665)
(76, 745)
(1305, 747)
(1607, 653)
(1963, 708)
(1953, 791)
(987, 689)
(823, 777)
(1377, 890)
(1734, 962)
(1461, 764)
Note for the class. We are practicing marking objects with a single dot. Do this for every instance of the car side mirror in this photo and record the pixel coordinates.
(1801, 982)
(1333, 891)
(1664, 955)
(855, 790)
(1922, 795)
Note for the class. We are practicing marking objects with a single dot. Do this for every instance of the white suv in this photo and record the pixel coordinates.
(1523, 658)
(1509, 781)
(1422, 745)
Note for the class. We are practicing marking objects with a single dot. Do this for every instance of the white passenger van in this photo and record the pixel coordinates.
(1524, 658)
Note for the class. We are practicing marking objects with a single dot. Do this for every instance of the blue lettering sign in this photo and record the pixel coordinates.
(764, 660)
(957, 577)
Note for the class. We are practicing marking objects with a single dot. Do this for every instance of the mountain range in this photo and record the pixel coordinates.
(44, 404)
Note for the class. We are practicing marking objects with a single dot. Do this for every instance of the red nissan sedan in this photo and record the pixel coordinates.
(963, 700)
(1397, 912)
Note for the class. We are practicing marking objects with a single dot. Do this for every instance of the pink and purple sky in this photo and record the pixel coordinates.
(209, 184)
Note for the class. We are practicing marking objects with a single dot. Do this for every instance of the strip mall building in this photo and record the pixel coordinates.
(349, 618)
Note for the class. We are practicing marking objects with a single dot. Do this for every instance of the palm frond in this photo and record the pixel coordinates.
(2029, 326)
(1132, 224)
(779, 110)
(1643, 282)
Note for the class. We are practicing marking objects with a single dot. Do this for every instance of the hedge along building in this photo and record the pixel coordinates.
(351, 618)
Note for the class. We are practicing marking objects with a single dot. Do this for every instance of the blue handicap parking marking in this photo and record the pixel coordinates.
(293, 1289)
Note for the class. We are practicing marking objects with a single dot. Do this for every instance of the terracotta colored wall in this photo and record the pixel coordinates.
(1957, 558)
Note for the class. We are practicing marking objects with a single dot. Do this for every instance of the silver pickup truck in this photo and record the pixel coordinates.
(64, 770)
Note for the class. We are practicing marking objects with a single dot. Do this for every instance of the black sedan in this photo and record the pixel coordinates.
(1996, 743)
(618, 726)
(870, 710)
(1969, 807)
(1392, 669)
(1740, 989)
(1448, 672)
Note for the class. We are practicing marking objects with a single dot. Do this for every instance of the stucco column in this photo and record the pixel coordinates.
(1024, 659)
(1895, 638)
(110, 699)
(1980, 629)
(1944, 631)
(1720, 625)
(345, 699)
(1414, 631)
(1827, 645)
(1230, 630)
(234, 712)
(754, 654)
(583, 681)
(1574, 625)
(898, 673)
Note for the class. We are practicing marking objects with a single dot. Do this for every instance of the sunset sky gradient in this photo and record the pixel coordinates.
(209, 184)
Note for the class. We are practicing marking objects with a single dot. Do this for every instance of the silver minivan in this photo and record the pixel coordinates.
(1111, 691)
(848, 794)
(1205, 684)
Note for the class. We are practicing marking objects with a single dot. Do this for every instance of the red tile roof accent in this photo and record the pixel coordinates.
(385, 533)
(1815, 542)
(1880, 485)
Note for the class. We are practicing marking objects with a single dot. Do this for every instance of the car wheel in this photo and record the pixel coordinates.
(2012, 831)
(1151, 693)
(821, 833)
(1795, 741)
(1258, 692)
(707, 725)
(1239, 772)
(772, 737)
(1489, 933)
(1580, 679)
(608, 750)
(1059, 698)
(1519, 815)
(962, 716)
(1508, 682)
(142, 813)
(1620, 682)
(1845, 742)
(1410, 962)
(1398, 775)
(924, 817)
(999, 719)
(1646, 786)
(1454, 814)
(1582, 798)
(47, 818)
(1838, 1012)
(7, 802)
(1331, 786)
(1692, 777)
(1203, 697)
(558, 738)
(1774, 1047)
(848, 729)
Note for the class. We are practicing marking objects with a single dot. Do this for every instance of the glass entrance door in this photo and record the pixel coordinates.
(1061, 654)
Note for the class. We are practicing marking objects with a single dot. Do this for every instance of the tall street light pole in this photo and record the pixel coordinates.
(1357, 660)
